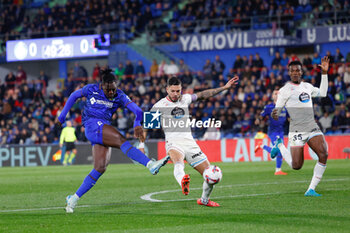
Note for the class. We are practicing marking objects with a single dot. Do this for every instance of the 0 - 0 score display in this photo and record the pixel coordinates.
(55, 48)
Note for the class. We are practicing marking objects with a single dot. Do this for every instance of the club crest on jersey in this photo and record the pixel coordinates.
(177, 113)
(92, 100)
(304, 97)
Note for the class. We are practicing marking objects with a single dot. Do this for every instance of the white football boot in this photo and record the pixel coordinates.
(71, 201)
(154, 166)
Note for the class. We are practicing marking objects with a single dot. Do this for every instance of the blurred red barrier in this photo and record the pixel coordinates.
(242, 149)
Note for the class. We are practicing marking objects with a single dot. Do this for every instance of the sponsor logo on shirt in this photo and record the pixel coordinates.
(105, 103)
(178, 113)
(304, 97)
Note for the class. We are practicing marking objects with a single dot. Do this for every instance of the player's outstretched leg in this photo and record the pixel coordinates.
(275, 149)
(204, 200)
(267, 148)
(113, 138)
(88, 183)
(154, 166)
(318, 173)
(319, 146)
(264, 147)
(135, 154)
(278, 171)
(279, 158)
(71, 202)
(185, 184)
(182, 178)
(280, 148)
(312, 193)
(258, 147)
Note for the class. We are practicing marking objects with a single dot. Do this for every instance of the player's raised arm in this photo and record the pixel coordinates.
(324, 78)
(211, 92)
(70, 102)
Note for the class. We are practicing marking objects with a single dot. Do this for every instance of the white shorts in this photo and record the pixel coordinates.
(188, 148)
(301, 138)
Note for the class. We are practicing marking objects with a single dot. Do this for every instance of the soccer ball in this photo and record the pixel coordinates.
(212, 174)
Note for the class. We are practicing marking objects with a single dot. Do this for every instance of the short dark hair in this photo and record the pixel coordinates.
(107, 75)
(173, 81)
(295, 63)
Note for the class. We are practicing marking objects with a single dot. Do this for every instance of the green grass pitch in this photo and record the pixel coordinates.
(252, 200)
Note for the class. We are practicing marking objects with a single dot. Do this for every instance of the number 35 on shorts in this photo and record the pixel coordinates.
(297, 137)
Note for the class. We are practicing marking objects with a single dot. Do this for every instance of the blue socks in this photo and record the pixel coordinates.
(88, 183)
(279, 158)
(134, 153)
(129, 150)
(267, 148)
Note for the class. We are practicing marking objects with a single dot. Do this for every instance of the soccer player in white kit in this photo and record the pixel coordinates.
(296, 97)
(180, 144)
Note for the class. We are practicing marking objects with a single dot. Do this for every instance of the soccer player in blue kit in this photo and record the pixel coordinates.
(275, 130)
(102, 100)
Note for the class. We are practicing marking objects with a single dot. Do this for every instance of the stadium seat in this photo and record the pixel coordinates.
(299, 9)
(307, 8)
(297, 17)
(264, 26)
(215, 29)
(222, 28)
(38, 3)
(256, 26)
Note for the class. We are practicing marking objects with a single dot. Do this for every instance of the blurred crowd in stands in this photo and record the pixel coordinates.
(20, 19)
(28, 114)
(204, 16)
(120, 18)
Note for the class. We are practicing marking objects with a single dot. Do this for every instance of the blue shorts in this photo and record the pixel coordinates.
(93, 130)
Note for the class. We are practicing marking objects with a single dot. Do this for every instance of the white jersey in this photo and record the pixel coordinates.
(175, 117)
(297, 100)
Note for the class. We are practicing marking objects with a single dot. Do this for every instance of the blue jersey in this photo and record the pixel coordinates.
(275, 126)
(98, 106)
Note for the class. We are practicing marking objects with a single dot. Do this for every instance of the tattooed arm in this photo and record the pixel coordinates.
(211, 92)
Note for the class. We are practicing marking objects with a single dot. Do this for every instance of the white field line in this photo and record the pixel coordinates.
(148, 197)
